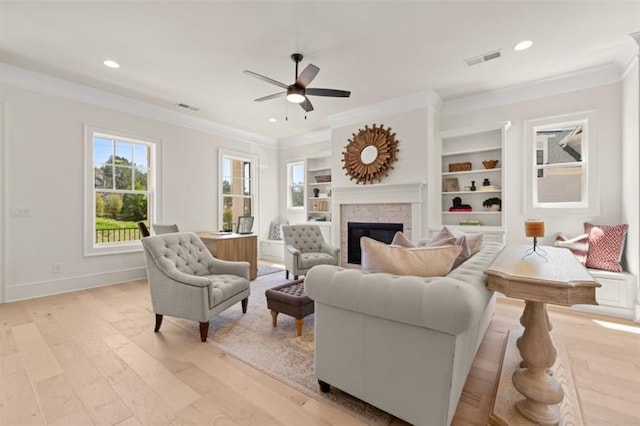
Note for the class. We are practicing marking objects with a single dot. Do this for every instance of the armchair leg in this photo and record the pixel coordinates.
(244, 303)
(204, 330)
(158, 323)
(286, 274)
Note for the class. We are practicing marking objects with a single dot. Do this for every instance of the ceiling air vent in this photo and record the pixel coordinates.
(189, 107)
(484, 57)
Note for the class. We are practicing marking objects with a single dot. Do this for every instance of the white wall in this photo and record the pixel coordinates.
(606, 155)
(631, 171)
(44, 171)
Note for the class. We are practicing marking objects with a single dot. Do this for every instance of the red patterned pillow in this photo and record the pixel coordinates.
(605, 246)
(579, 245)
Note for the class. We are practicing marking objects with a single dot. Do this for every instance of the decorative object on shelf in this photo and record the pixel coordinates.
(486, 182)
(450, 185)
(323, 178)
(460, 167)
(494, 204)
(490, 164)
(467, 188)
(534, 228)
(470, 222)
(458, 206)
(369, 155)
(489, 188)
(316, 192)
(473, 185)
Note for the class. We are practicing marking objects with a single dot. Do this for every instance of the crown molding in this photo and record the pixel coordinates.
(305, 139)
(424, 99)
(564, 83)
(42, 83)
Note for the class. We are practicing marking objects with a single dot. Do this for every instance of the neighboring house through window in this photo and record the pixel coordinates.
(237, 188)
(295, 185)
(559, 175)
(121, 190)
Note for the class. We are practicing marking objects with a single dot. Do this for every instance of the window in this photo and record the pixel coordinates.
(120, 191)
(237, 189)
(295, 185)
(559, 176)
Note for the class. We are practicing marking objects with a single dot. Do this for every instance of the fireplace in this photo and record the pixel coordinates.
(382, 232)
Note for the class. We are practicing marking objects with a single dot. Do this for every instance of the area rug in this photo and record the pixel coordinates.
(266, 270)
(279, 352)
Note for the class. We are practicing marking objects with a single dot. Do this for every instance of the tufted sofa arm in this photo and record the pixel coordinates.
(439, 303)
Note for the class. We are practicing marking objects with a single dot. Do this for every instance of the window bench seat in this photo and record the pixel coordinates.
(616, 297)
(272, 250)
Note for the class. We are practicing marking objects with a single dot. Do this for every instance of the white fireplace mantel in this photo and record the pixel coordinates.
(378, 194)
(411, 193)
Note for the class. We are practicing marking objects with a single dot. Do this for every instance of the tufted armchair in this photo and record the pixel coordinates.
(304, 248)
(186, 281)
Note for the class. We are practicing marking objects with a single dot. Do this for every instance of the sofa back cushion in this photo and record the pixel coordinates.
(419, 261)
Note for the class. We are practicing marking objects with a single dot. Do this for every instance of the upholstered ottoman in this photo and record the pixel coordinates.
(289, 299)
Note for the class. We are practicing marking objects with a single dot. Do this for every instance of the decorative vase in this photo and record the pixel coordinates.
(316, 191)
(486, 182)
(473, 185)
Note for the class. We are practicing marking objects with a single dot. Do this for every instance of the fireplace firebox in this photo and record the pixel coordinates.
(382, 232)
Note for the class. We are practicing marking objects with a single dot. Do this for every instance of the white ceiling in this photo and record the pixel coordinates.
(195, 52)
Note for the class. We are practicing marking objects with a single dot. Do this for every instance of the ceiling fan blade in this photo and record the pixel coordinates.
(328, 92)
(307, 75)
(306, 105)
(266, 98)
(263, 78)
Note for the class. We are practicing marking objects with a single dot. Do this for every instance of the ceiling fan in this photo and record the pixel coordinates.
(297, 92)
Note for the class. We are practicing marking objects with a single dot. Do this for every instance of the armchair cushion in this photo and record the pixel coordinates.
(309, 260)
(224, 287)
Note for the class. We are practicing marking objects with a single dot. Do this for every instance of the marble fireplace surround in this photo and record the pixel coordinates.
(386, 203)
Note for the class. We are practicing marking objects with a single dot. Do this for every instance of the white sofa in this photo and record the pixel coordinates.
(402, 344)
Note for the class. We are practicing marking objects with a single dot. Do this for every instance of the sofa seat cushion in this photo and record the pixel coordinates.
(224, 287)
(309, 260)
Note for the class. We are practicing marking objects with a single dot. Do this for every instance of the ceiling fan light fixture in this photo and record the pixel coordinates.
(111, 63)
(295, 95)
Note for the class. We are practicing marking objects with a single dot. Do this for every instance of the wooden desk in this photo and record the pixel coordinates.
(559, 279)
(233, 247)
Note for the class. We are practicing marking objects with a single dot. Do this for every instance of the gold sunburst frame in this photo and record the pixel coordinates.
(386, 145)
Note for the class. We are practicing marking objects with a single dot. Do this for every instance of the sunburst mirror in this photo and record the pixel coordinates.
(369, 155)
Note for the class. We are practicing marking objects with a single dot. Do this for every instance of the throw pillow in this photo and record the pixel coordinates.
(275, 230)
(399, 239)
(473, 239)
(579, 245)
(605, 246)
(419, 261)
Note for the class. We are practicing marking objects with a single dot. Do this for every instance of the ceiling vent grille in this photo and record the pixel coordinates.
(189, 107)
(484, 57)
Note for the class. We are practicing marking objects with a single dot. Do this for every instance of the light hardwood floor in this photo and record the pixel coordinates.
(91, 357)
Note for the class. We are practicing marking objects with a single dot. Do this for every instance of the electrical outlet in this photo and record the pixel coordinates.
(21, 212)
(56, 268)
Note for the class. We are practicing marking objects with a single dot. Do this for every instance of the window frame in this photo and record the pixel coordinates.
(589, 202)
(235, 155)
(290, 185)
(91, 248)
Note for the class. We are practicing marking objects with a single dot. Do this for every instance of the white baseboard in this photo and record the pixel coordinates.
(626, 313)
(69, 284)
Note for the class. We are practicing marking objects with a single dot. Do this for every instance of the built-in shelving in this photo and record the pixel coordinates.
(318, 208)
(472, 145)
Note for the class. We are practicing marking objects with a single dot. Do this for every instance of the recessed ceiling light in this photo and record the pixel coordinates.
(523, 45)
(111, 64)
(273, 120)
